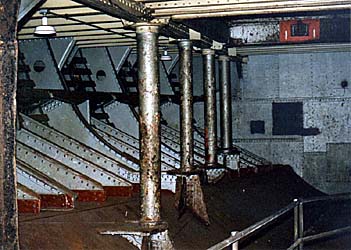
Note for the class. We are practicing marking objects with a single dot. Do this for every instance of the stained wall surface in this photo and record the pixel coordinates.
(319, 150)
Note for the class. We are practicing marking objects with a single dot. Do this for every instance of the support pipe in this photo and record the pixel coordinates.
(150, 139)
(8, 76)
(225, 103)
(186, 105)
(210, 107)
(189, 192)
(149, 122)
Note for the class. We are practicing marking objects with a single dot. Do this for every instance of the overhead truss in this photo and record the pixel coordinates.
(94, 23)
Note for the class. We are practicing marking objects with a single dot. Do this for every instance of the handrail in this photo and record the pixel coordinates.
(343, 196)
(253, 228)
(299, 239)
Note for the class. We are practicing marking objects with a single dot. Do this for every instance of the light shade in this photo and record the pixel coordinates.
(44, 29)
(165, 56)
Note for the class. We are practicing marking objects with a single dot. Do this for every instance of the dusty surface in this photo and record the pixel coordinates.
(233, 204)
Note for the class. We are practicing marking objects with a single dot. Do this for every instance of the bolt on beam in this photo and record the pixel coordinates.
(210, 107)
(8, 75)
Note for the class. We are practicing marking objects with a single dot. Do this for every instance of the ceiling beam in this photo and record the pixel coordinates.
(186, 9)
(173, 29)
(293, 49)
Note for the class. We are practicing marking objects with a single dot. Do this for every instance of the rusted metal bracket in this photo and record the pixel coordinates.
(189, 194)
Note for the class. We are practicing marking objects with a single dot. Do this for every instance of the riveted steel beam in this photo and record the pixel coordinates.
(210, 107)
(95, 172)
(138, 12)
(8, 68)
(52, 194)
(131, 146)
(185, 9)
(126, 9)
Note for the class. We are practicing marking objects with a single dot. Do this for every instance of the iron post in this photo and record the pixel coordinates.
(296, 220)
(235, 246)
(152, 230)
(301, 226)
(225, 103)
(186, 104)
(8, 75)
(149, 122)
(188, 192)
(210, 107)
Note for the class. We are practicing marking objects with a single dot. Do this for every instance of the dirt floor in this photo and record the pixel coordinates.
(233, 204)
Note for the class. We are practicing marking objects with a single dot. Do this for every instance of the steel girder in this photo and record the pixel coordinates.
(87, 152)
(71, 160)
(185, 9)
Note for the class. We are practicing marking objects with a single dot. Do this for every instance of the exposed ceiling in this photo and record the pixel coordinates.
(88, 26)
(188, 9)
(95, 23)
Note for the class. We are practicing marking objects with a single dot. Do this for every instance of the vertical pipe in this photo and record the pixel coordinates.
(210, 107)
(301, 226)
(8, 76)
(235, 246)
(225, 102)
(186, 104)
(296, 220)
(149, 122)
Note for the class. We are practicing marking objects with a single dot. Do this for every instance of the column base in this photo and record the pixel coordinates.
(143, 235)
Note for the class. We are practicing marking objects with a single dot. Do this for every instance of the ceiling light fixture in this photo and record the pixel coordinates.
(165, 56)
(44, 29)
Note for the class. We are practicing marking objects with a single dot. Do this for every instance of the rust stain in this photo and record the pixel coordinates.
(57, 201)
(29, 206)
(90, 195)
(119, 191)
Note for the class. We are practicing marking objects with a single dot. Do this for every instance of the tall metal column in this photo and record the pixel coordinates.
(8, 72)
(225, 103)
(186, 104)
(150, 228)
(149, 122)
(189, 192)
(210, 107)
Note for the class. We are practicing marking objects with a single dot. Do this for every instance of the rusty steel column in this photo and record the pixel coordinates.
(210, 107)
(186, 104)
(8, 76)
(149, 122)
(188, 192)
(225, 103)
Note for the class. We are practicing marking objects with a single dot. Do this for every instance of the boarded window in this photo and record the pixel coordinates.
(287, 118)
(257, 127)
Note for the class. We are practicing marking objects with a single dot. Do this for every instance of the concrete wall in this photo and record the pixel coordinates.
(314, 79)
(322, 158)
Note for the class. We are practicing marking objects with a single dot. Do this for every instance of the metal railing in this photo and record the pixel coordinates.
(299, 239)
